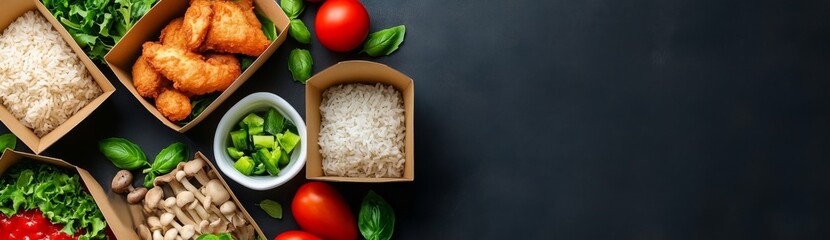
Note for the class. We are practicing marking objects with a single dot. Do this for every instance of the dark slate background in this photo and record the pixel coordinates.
(574, 119)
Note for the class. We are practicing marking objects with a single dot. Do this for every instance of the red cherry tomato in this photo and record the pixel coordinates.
(320, 210)
(341, 25)
(296, 235)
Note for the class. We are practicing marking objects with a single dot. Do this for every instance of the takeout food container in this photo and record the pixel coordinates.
(357, 72)
(12, 9)
(132, 215)
(122, 57)
(119, 229)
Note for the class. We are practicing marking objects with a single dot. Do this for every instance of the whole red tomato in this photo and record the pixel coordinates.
(320, 210)
(296, 235)
(341, 25)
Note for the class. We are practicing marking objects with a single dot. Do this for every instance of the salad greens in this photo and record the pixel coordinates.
(97, 25)
(376, 219)
(261, 145)
(221, 236)
(7, 140)
(60, 196)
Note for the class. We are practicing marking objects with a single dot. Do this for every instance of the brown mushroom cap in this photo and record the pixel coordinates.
(153, 196)
(136, 195)
(217, 192)
(122, 181)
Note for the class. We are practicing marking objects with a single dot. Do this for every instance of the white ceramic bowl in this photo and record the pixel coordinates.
(258, 102)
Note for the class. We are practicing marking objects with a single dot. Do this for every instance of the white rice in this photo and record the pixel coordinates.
(42, 81)
(362, 131)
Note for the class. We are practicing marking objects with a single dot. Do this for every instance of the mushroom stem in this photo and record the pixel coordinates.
(206, 202)
(195, 168)
(170, 206)
(186, 231)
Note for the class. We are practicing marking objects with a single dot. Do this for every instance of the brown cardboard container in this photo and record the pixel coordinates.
(12, 9)
(123, 55)
(357, 72)
(119, 228)
(132, 215)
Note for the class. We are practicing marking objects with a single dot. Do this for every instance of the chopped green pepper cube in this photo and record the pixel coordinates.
(235, 153)
(273, 121)
(239, 139)
(244, 165)
(252, 120)
(259, 169)
(263, 141)
(254, 130)
(288, 141)
(270, 163)
(284, 158)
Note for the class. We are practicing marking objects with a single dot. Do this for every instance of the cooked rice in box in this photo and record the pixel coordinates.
(362, 131)
(42, 82)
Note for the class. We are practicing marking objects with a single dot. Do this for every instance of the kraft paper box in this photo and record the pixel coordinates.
(12, 9)
(122, 57)
(357, 72)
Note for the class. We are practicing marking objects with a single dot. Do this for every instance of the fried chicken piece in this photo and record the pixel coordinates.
(174, 105)
(147, 81)
(173, 35)
(235, 29)
(190, 72)
(196, 22)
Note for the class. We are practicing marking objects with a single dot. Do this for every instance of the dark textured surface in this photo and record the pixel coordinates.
(597, 119)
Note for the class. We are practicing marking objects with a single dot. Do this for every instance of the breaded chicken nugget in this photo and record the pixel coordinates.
(147, 81)
(235, 29)
(190, 72)
(174, 105)
(196, 22)
(173, 35)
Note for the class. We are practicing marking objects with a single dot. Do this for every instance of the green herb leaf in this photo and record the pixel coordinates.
(123, 153)
(384, 42)
(268, 27)
(148, 179)
(376, 220)
(272, 208)
(221, 236)
(169, 157)
(300, 64)
(7, 140)
(245, 62)
(292, 8)
(299, 32)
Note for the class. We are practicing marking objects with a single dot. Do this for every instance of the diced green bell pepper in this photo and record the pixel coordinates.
(244, 165)
(235, 153)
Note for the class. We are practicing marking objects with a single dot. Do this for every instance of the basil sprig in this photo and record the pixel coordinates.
(7, 140)
(123, 153)
(384, 42)
(299, 31)
(168, 158)
(300, 64)
(376, 220)
(292, 8)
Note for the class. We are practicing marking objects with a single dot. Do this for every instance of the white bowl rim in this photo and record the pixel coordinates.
(224, 161)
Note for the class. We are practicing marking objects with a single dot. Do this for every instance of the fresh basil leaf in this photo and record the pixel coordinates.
(7, 140)
(376, 220)
(148, 179)
(300, 64)
(384, 42)
(272, 208)
(268, 27)
(299, 32)
(123, 153)
(169, 157)
(292, 8)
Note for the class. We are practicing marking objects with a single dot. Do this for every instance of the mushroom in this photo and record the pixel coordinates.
(195, 168)
(185, 198)
(157, 235)
(228, 209)
(170, 206)
(152, 198)
(144, 232)
(171, 234)
(122, 183)
(170, 180)
(206, 201)
(217, 193)
(187, 231)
